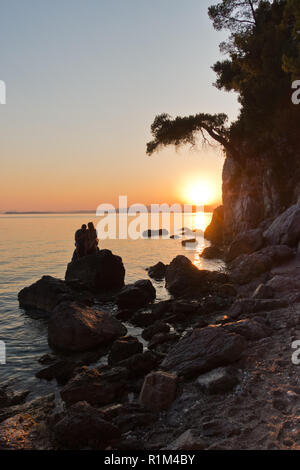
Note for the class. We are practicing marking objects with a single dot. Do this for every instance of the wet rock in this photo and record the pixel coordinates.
(62, 371)
(45, 294)
(136, 295)
(247, 306)
(134, 416)
(162, 338)
(263, 291)
(285, 230)
(9, 398)
(158, 271)
(245, 268)
(123, 348)
(158, 391)
(189, 440)
(47, 359)
(155, 233)
(97, 272)
(158, 327)
(212, 252)
(124, 315)
(141, 364)
(95, 387)
(285, 283)
(220, 380)
(39, 406)
(214, 232)
(75, 328)
(203, 350)
(161, 308)
(245, 243)
(184, 278)
(251, 329)
(143, 319)
(84, 426)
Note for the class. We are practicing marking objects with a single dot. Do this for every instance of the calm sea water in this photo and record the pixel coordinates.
(32, 246)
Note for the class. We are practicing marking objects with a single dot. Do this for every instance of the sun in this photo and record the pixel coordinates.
(199, 193)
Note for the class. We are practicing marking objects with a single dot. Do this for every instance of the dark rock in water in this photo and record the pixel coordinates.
(205, 349)
(251, 329)
(133, 416)
(9, 398)
(161, 308)
(124, 314)
(38, 407)
(245, 243)
(45, 294)
(136, 295)
(141, 364)
(84, 426)
(157, 327)
(163, 338)
(245, 268)
(158, 391)
(47, 359)
(185, 308)
(123, 348)
(62, 371)
(97, 272)
(211, 252)
(144, 319)
(155, 233)
(214, 232)
(158, 271)
(285, 230)
(75, 328)
(220, 380)
(174, 237)
(190, 241)
(263, 292)
(95, 387)
(184, 278)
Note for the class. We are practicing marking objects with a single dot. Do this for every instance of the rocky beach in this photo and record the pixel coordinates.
(212, 368)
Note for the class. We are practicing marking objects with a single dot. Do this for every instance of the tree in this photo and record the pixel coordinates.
(234, 15)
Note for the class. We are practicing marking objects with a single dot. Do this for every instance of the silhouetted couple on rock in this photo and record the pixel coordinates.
(86, 241)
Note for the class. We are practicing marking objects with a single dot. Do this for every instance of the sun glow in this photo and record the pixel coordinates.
(199, 193)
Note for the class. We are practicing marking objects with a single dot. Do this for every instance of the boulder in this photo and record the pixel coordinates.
(158, 391)
(211, 252)
(140, 364)
(123, 348)
(76, 328)
(45, 294)
(285, 283)
(157, 327)
(203, 350)
(245, 268)
(214, 231)
(285, 230)
(9, 398)
(84, 426)
(61, 370)
(97, 272)
(184, 278)
(158, 271)
(248, 306)
(97, 388)
(252, 329)
(136, 295)
(143, 319)
(220, 380)
(245, 243)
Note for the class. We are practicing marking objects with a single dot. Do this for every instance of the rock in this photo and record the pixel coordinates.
(251, 329)
(157, 327)
(248, 306)
(9, 398)
(143, 319)
(158, 271)
(189, 241)
(95, 387)
(84, 426)
(47, 359)
(97, 272)
(155, 233)
(214, 231)
(136, 295)
(140, 364)
(134, 416)
(123, 348)
(285, 283)
(211, 252)
(159, 391)
(161, 338)
(62, 371)
(38, 406)
(184, 278)
(245, 243)
(203, 350)
(245, 268)
(185, 308)
(189, 440)
(263, 291)
(220, 380)
(75, 328)
(45, 294)
(285, 230)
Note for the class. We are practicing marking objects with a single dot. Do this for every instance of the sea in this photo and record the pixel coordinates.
(33, 245)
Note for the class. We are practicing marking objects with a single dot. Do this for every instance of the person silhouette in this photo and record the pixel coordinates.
(81, 241)
(92, 239)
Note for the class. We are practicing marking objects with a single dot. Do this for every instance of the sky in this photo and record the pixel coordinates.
(85, 79)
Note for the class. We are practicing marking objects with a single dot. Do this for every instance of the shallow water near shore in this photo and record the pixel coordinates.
(35, 245)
